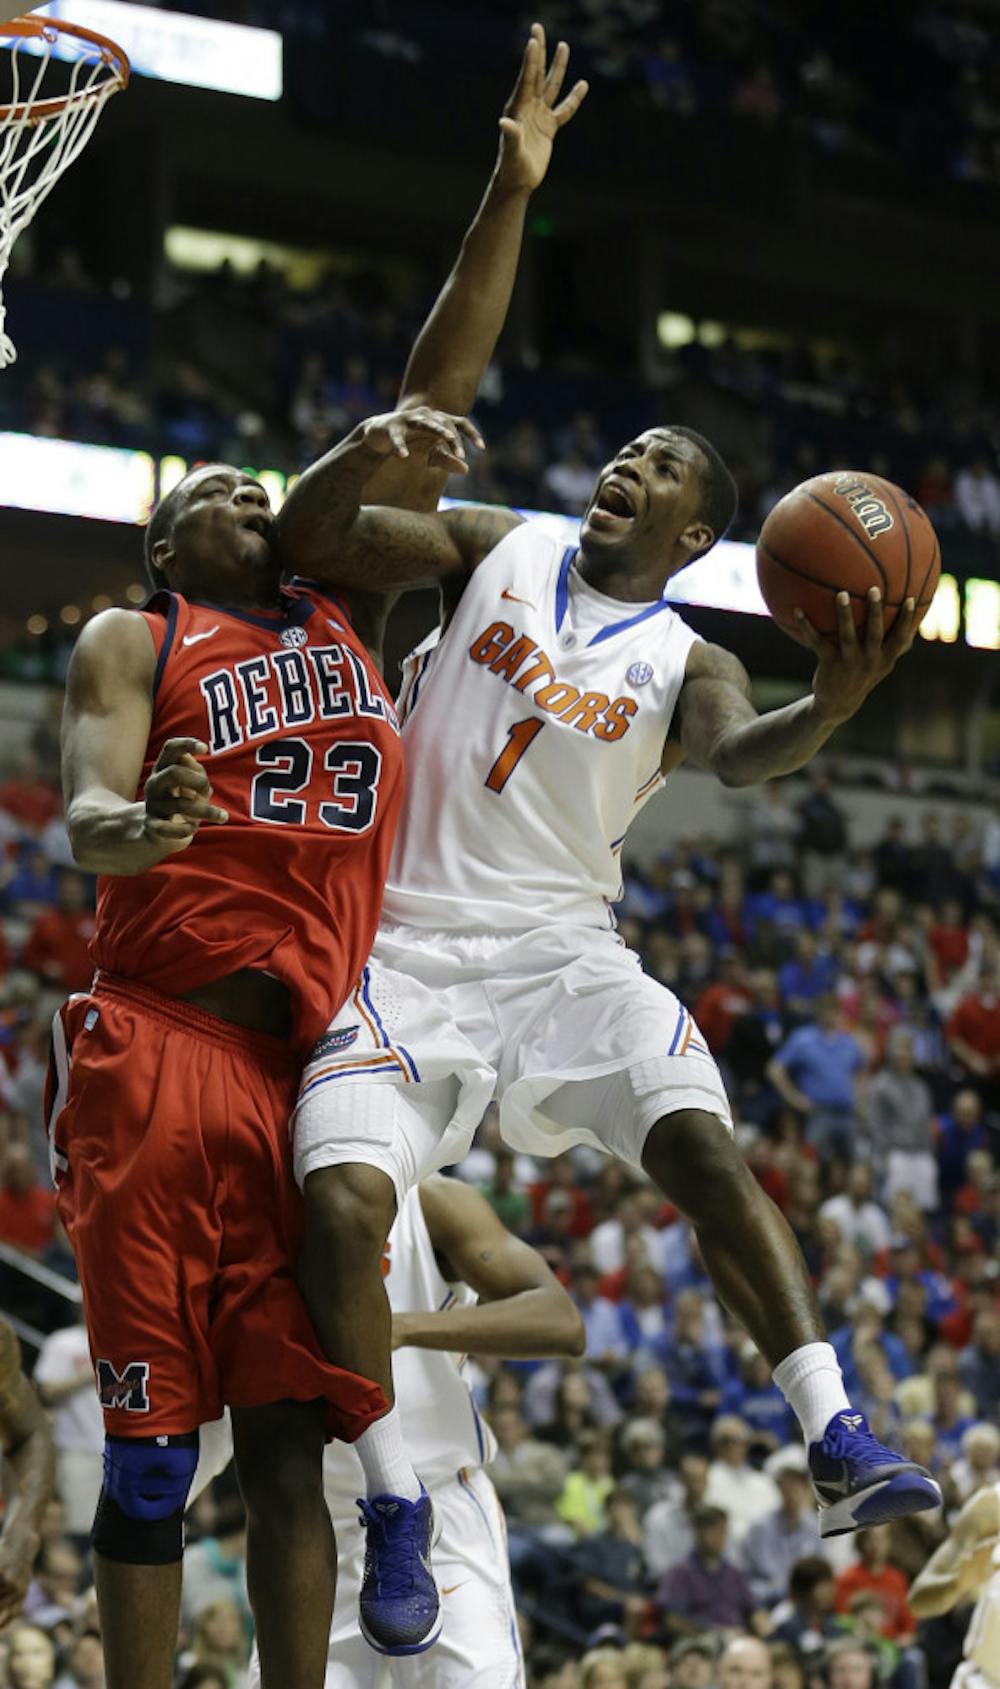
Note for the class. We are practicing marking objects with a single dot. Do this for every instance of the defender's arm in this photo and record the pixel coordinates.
(523, 1310)
(722, 732)
(30, 1454)
(375, 548)
(105, 730)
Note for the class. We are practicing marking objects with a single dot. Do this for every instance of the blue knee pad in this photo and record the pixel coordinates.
(140, 1514)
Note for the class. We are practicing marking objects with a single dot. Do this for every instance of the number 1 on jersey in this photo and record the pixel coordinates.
(519, 738)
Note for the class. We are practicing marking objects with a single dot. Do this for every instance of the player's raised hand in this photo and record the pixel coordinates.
(419, 429)
(178, 796)
(534, 114)
(849, 666)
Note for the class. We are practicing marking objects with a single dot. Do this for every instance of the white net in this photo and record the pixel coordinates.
(46, 121)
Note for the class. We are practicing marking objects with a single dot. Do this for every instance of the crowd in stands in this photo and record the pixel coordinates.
(338, 352)
(772, 63)
(662, 1529)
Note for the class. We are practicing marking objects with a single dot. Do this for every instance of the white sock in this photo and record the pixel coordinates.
(383, 1455)
(812, 1384)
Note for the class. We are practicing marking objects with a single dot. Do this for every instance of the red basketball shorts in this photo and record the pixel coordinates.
(169, 1138)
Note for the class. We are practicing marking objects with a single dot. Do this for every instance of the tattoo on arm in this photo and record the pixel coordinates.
(388, 549)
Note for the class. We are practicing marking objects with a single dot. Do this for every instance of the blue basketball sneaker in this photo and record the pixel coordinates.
(858, 1481)
(399, 1608)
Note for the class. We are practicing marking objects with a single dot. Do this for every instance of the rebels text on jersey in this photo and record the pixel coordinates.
(305, 756)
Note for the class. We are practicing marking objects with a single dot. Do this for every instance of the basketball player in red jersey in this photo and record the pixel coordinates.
(238, 899)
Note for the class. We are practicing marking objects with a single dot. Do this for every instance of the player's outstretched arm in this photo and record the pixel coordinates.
(457, 341)
(523, 1310)
(30, 1457)
(720, 730)
(962, 1562)
(105, 731)
(332, 534)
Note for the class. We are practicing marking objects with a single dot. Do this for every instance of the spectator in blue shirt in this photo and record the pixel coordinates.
(755, 1398)
(905, 1268)
(778, 905)
(812, 974)
(695, 1368)
(959, 1131)
(979, 1364)
(815, 1072)
(601, 1321)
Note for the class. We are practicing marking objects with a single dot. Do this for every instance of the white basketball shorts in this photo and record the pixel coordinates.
(479, 1646)
(392, 1083)
(581, 1046)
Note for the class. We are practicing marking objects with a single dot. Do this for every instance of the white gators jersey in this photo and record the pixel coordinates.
(982, 1641)
(534, 731)
(442, 1429)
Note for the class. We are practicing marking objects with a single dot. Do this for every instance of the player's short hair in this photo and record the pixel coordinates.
(719, 496)
(160, 527)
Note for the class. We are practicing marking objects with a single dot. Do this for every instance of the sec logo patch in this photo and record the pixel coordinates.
(293, 636)
(639, 674)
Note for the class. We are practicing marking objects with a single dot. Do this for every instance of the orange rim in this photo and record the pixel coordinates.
(47, 29)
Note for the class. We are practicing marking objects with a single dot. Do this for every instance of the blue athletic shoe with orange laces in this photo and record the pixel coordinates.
(399, 1608)
(858, 1481)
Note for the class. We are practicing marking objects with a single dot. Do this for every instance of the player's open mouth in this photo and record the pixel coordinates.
(613, 507)
(259, 525)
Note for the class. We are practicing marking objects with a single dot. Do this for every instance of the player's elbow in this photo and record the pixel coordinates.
(729, 768)
(80, 834)
(573, 1333)
(929, 1603)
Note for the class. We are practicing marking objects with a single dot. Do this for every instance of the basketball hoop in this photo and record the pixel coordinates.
(45, 126)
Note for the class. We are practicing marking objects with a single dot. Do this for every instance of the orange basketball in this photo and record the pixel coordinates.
(845, 532)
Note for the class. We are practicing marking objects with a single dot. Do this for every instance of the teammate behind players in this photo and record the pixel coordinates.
(458, 1282)
(537, 724)
(968, 1563)
(29, 1462)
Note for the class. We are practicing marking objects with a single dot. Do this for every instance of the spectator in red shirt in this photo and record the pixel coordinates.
(947, 943)
(875, 1575)
(561, 1176)
(27, 1209)
(58, 945)
(722, 1002)
(28, 798)
(973, 1032)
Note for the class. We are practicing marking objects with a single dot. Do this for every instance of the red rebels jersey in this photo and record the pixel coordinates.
(306, 758)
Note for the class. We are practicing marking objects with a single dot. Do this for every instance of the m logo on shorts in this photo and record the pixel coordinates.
(124, 1389)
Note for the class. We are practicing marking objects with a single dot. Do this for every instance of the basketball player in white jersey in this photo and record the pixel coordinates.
(558, 692)
(968, 1563)
(457, 1281)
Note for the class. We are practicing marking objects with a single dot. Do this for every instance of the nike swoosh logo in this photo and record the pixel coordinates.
(515, 600)
(453, 1586)
(193, 638)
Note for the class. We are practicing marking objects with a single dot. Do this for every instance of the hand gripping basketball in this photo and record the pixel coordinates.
(178, 795)
(848, 667)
